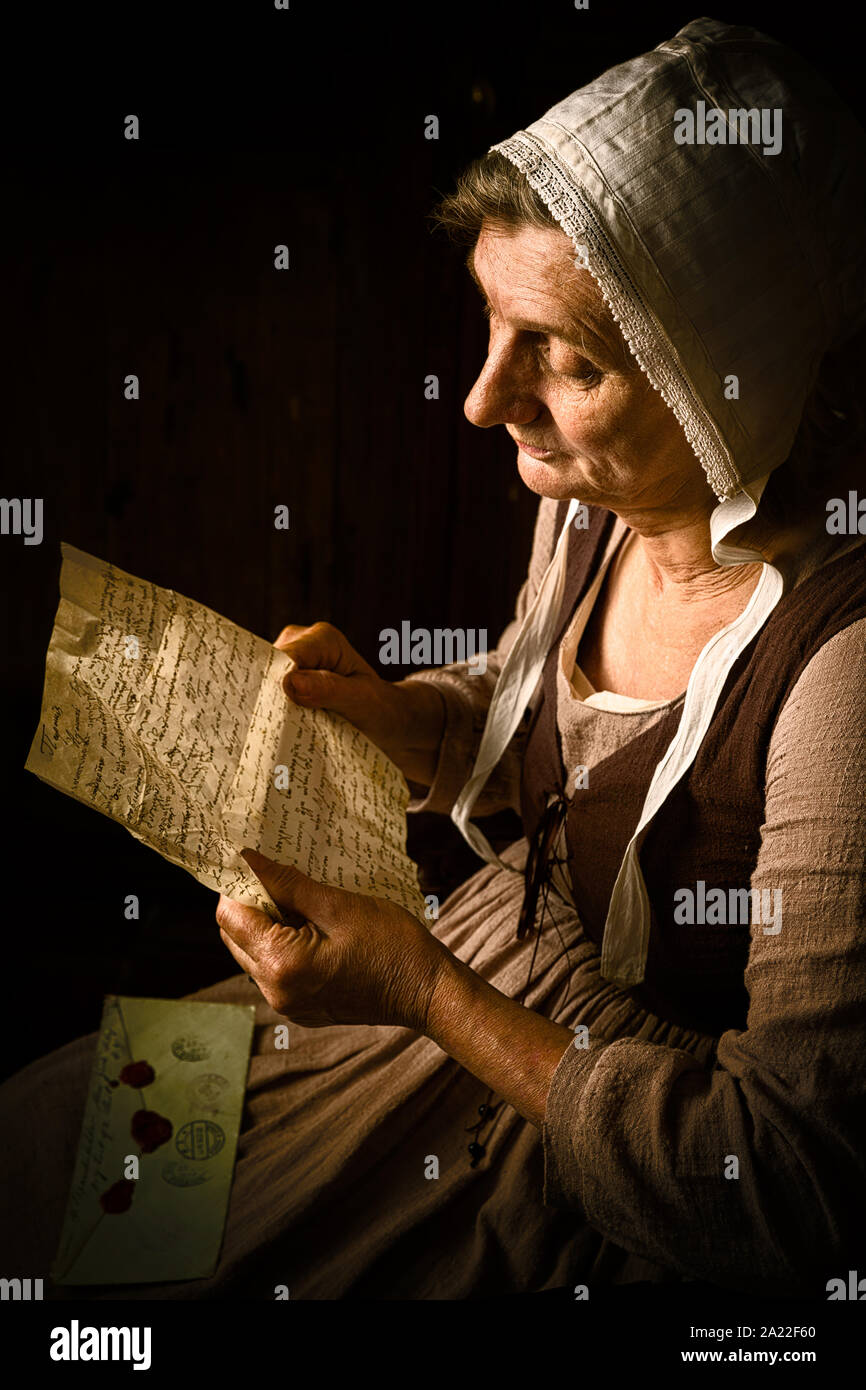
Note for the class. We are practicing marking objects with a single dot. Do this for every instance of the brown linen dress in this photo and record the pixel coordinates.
(330, 1196)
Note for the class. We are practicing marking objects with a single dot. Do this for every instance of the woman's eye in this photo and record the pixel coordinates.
(567, 362)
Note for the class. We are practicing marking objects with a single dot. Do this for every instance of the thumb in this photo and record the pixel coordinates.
(320, 690)
(297, 896)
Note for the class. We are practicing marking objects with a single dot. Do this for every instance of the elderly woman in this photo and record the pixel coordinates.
(631, 1048)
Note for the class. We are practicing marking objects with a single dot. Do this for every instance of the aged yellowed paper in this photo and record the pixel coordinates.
(173, 721)
(156, 1156)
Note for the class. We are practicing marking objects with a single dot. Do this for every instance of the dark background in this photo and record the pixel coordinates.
(258, 387)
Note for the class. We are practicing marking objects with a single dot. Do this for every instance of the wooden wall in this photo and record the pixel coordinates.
(258, 387)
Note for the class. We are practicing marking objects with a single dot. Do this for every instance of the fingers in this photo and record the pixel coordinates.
(262, 948)
(320, 647)
(320, 690)
(245, 926)
(289, 634)
(276, 958)
(246, 963)
(298, 897)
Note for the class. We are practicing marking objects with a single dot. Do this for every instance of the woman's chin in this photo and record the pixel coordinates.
(553, 477)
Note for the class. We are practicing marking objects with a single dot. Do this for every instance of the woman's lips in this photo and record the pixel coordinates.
(532, 451)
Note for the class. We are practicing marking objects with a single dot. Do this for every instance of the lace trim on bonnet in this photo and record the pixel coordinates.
(644, 334)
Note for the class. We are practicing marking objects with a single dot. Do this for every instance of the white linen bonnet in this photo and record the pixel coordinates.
(730, 249)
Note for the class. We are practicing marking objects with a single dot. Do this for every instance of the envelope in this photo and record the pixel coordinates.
(155, 1160)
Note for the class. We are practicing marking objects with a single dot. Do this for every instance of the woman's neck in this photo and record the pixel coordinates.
(674, 554)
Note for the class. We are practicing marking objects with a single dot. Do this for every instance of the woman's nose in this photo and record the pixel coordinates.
(501, 395)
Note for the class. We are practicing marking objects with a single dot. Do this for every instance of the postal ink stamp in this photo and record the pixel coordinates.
(190, 1049)
(199, 1139)
(206, 1092)
(183, 1175)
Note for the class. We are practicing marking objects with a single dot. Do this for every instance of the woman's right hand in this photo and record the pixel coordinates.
(406, 719)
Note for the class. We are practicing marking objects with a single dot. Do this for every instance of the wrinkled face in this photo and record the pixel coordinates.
(558, 376)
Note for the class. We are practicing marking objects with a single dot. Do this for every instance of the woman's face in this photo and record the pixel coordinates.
(558, 377)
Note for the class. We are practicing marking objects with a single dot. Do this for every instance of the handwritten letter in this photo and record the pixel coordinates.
(173, 721)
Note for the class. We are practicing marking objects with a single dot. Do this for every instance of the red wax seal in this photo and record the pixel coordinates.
(149, 1130)
(118, 1198)
(137, 1074)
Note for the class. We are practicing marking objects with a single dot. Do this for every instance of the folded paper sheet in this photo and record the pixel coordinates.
(173, 721)
(155, 1160)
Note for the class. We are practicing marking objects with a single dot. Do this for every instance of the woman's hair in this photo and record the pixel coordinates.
(492, 189)
(832, 428)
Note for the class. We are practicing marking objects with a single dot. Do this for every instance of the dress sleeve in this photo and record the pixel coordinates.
(467, 696)
(749, 1172)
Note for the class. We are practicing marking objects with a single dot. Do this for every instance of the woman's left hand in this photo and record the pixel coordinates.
(349, 958)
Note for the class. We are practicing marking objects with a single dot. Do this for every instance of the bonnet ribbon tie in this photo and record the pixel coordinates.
(514, 689)
(627, 927)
